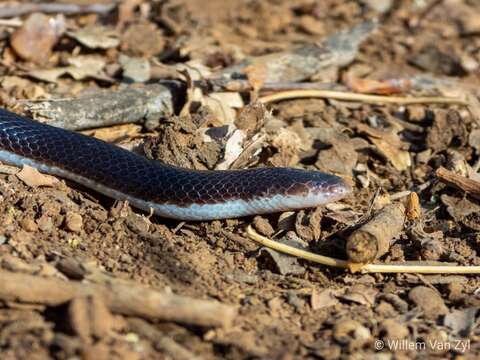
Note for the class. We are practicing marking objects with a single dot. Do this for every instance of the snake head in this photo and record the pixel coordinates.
(314, 188)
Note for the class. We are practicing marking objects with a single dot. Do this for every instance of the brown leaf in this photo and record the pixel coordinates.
(280, 263)
(115, 133)
(322, 299)
(31, 177)
(447, 126)
(389, 144)
(96, 37)
(341, 158)
(361, 294)
(463, 210)
(82, 67)
(288, 145)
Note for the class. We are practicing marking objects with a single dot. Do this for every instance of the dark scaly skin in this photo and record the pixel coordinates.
(146, 179)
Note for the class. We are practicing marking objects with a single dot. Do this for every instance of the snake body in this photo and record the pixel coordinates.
(170, 191)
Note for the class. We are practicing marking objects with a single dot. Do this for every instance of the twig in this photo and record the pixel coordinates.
(11, 22)
(450, 178)
(365, 268)
(372, 239)
(121, 297)
(301, 63)
(162, 342)
(239, 85)
(106, 108)
(12, 10)
(349, 96)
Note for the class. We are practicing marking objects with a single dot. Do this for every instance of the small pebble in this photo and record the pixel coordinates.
(73, 221)
(424, 157)
(382, 6)
(263, 226)
(392, 329)
(455, 291)
(28, 225)
(416, 113)
(135, 69)
(138, 224)
(351, 332)
(34, 40)
(45, 223)
(429, 301)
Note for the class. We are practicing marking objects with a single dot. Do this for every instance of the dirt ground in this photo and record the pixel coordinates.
(287, 308)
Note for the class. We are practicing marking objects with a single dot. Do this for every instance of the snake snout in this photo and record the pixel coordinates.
(314, 188)
(330, 188)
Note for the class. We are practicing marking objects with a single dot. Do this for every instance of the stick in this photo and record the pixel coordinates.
(450, 178)
(13, 10)
(106, 108)
(125, 298)
(162, 342)
(367, 268)
(301, 63)
(239, 85)
(349, 96)
(372, 240)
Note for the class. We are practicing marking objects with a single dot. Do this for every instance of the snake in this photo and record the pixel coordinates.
(150, 185)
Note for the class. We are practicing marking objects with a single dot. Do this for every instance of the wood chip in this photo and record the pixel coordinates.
(372, 240)
(450, 178)
(31, 177)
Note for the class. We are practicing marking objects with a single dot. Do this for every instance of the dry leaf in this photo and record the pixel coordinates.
(280, 263)
(361, 294)
(9, 170)
(48, 75)
(400, 159)
(31, 177)
(115, 133)
(288, 144)
(463, 210)
(96, 37)
(135, 69)
(233, 149)
(86, 66)
(223, 105)
(322, 299)
(82, 67)
(23, 87)
(389, 144)
(341, 158)
(195, 68)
